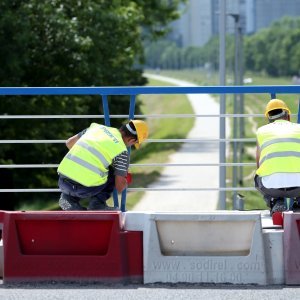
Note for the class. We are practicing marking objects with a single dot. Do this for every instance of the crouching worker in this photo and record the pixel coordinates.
(97, 162)
(278, 158)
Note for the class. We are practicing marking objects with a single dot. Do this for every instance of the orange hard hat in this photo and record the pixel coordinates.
(276, 104)
(142, 131)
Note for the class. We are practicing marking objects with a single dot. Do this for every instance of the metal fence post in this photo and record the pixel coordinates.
(107, 123)
(131, 116)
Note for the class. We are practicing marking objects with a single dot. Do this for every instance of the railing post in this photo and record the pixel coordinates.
(107, 123)
(298, 115)
(241, 106)
(105, 110)
(131, 116)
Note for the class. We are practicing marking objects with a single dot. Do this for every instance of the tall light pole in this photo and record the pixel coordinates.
(236, 18)
(222, 77)
(241, 108)
(238, 106)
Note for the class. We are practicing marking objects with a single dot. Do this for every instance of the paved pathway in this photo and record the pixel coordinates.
(193, 177)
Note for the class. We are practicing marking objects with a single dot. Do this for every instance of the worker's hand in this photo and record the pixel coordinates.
(129, 178)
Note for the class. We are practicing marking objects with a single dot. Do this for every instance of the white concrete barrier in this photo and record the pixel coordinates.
(215, 247)
(273, 240)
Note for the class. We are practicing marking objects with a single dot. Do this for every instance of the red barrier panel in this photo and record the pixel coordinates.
(85, 246)
(291, 247)
(277, 218)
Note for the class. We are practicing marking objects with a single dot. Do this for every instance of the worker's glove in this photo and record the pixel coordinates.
(128, 178)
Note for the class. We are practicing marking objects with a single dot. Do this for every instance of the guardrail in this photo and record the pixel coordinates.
(132, 92)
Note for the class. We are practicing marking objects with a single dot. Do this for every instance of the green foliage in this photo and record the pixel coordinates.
(167, 55)
(67, 43)
(274, 51)
(157, 14)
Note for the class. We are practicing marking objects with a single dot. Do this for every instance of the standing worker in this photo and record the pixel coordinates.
(278, 158)
(97, 162)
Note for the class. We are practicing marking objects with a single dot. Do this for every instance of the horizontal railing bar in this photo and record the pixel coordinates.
(267, 89)
(136, 189)
(228, 189)
(29, 190)
(199, 140)
(147, 141)
(161, 116)
(55, 116)
(28, 166)
(32, 141)
(193, 165)
(20, 166)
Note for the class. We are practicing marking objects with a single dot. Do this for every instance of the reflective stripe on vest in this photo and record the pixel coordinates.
(86, 165)
(95, 152)
(279, 154)
(88, 160)
(280, 140)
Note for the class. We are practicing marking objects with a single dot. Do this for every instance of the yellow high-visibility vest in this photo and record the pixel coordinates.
(279, 144)
(88, 160)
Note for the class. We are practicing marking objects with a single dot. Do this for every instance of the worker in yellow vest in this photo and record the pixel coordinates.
(278, 158)
(97, 162)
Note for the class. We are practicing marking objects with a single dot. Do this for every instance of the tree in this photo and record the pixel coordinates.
(193, 57)
(68, 43)
(274, 50)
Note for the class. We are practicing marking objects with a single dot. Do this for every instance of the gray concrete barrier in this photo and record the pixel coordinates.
(215, 247)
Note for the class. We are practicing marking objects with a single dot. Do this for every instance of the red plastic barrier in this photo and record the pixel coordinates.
(85, 246)
(278, 218)
(291, 247)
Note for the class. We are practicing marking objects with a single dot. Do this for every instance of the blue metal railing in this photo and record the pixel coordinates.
(134, 91)
(267, 89)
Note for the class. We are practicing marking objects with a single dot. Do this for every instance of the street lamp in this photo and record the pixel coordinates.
(238, 106)
(222, 77)
(238, 81)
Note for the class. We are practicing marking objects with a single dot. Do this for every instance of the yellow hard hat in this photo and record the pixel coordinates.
(142, 131)
(276, 104)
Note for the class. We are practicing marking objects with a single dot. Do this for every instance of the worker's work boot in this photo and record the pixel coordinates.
(96, 204)
(67, 202)
(279, 206)
(296, 205)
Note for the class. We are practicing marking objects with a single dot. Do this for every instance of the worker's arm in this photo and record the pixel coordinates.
(120, 183)
(120, 166)
(72, 140)
(257, 155)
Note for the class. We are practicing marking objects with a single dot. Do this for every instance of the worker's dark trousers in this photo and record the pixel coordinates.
(290, 192)
(96, 194)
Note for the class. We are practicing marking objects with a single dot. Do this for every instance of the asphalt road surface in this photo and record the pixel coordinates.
(73, 291)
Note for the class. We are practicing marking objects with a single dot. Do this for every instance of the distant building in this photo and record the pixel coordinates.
(200, 19)
(194, 28)
(267, 11)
